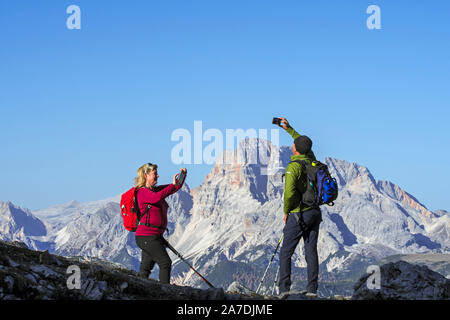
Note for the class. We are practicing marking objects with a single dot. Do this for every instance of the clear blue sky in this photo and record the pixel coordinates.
(81, 110)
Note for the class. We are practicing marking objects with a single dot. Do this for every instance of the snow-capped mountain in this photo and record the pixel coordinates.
(17, 224)
(228, 226)
(60, 215)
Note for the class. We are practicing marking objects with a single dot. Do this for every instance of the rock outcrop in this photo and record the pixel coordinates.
(404, 281)
(29, 274)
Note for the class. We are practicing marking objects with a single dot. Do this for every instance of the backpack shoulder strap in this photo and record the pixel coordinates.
(136, 205)
(138, 211)
(309, 168)
(301, 162)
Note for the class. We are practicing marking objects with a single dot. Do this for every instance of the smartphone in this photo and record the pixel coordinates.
(276, 121)
(180, 177)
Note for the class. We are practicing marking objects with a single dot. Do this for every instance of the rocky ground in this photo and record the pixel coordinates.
(39, 275)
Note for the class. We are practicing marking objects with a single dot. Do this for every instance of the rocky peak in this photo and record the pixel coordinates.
(255, 167)
(395, 192)
(355, 177)
(441, 213)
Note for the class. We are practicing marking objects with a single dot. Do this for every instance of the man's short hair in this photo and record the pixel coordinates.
(303, 144)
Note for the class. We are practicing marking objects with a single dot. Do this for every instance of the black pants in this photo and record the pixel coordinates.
(300, 225)
(154, 251)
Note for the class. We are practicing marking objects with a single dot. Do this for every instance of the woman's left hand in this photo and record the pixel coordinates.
(174, 180)
(175, 176)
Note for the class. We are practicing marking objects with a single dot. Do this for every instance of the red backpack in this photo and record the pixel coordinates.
(130, 210)
(131, 214)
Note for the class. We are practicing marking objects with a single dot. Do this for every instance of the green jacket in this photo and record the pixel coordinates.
(295, 181)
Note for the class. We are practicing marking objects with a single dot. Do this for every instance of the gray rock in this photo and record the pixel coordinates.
(45, 271)
(9, 281)
(299, 295)
(31, 277)
(404, 281)
(239, 288)
(94, 290)
(12, 263)
(123, 286)
(292, 295)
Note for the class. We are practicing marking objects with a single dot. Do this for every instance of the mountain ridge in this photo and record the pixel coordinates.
(235, 218)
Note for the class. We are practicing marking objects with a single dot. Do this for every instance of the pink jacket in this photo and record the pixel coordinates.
(157, 215)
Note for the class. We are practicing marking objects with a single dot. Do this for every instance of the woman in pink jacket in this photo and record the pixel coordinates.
(153, 222)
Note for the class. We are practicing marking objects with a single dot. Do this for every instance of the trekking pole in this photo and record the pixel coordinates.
(275, 281)
(270, 262)
(181, 257)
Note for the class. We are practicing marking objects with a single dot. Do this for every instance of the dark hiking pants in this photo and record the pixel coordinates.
(300, 225)
(154, 251)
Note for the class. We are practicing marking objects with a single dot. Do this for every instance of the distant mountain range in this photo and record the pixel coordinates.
(228, 226)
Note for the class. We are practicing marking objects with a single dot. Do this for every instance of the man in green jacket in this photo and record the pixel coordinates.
(301, 221)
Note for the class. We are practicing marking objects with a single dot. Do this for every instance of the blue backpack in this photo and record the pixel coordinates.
(321, 187)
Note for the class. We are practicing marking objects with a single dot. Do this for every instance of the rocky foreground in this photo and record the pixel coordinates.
(39, 275)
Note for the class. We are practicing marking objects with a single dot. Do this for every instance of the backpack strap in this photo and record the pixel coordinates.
(148, 224)
(303, 166)
(301, 162)
(305, 171)
(139, 216)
